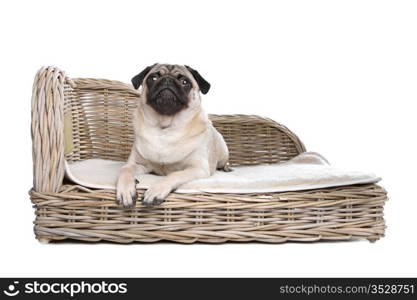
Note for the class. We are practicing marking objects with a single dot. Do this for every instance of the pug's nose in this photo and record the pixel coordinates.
(167, 81)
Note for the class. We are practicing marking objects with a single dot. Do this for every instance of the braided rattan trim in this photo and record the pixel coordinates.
(101, 84)
(47, 129)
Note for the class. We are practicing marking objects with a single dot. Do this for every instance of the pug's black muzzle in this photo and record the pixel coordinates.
(166, 97)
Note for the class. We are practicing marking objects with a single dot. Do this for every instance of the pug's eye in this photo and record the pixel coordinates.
(184, 82)
(154, 77)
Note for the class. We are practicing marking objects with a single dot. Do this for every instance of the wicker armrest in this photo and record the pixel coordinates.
(255, 140)
(47, 129)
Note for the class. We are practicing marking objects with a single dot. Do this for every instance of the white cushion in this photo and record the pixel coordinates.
(308, 170)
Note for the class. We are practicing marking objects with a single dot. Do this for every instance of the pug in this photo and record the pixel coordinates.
(173, 136)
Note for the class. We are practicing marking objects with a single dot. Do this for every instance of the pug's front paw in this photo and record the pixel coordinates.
(126, 194)
(227, 168)
(156, 194)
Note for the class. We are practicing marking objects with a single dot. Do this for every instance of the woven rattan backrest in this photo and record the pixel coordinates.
(100, 116)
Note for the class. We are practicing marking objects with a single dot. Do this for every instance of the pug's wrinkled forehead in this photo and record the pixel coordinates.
(173, 70)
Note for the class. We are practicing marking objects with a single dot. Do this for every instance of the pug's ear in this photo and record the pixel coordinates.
(138, 79)
(202, 83)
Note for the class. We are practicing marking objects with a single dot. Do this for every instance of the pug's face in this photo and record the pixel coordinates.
(168, 89)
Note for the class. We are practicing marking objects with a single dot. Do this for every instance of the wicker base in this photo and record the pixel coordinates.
(340, 213)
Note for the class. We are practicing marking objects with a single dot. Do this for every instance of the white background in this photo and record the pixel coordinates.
(340, 74)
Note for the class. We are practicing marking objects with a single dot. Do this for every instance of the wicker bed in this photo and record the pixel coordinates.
(82, 118)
